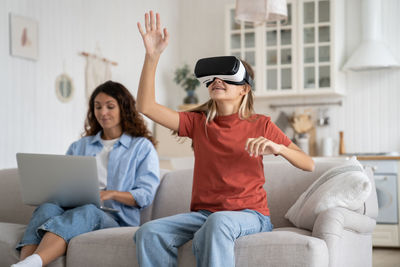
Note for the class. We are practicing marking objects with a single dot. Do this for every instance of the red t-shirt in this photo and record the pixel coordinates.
(225, 176)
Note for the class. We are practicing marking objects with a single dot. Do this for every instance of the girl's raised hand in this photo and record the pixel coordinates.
(153, 38)
(262, 146)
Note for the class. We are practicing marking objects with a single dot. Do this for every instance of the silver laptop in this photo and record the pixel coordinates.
(69, 181)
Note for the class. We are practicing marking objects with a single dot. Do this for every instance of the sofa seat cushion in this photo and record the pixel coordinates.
(107, 247)
(11, 234)
(294, 230)
(283, 247)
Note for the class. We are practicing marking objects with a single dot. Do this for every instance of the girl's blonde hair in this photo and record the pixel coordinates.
(246, 108)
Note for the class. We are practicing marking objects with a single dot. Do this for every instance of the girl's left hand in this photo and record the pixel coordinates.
(262, 146)
(107, 194)
(154, 40)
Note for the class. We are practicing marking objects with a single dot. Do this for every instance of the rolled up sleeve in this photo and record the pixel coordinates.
(147, 178)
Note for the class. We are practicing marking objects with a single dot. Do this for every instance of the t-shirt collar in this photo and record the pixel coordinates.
(123, 140)
(233, 116)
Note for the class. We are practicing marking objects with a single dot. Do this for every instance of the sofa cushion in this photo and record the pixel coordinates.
(11, 234)
(285, 247)
(344, 186)
(16, 212)
(107, 247)
(174, 194)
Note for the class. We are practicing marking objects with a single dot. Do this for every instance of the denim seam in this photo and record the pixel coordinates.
(231, 226)
(171, 247)
(195, 248)
(247, 229)
(171, 244)
(263, 222)
(28, 242)
(23, 244)
(33, 241)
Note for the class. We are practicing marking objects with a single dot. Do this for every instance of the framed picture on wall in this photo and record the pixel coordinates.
(23, 37)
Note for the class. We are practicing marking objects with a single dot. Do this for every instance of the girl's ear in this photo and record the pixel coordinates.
(245, 89)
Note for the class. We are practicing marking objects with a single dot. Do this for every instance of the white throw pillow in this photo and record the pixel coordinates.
(344, 186)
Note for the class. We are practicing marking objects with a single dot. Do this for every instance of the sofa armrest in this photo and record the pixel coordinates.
(331, 224)
(334, 221)
(12, 209)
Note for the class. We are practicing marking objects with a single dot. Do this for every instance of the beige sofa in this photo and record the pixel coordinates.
(340, 237)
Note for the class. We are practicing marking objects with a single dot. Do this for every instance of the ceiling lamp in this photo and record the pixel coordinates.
(260, 11)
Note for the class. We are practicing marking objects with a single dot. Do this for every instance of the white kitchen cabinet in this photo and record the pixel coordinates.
(298, 57)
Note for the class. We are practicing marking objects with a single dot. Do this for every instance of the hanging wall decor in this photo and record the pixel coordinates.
(64, 88)
(23, 37)
(98, 70)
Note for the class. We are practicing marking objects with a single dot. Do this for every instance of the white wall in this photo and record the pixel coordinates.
(32, 119)
(370, 116)
(202, 33)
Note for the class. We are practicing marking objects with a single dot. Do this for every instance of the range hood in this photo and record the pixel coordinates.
(372, 53)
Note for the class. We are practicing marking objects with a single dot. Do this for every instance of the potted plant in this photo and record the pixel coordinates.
(185, 78)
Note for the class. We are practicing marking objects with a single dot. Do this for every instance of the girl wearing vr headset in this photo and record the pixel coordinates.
(228, 198)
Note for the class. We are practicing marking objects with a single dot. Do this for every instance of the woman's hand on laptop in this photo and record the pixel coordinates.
(122, 197)
(107, 194)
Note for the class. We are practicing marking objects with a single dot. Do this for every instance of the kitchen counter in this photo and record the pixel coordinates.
(375, 156)
(378, 157)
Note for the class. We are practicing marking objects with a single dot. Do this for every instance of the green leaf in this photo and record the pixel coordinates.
(185, 78)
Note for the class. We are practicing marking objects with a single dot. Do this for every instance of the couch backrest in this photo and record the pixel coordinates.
(173, 195)
(284, 184)
(11, 207)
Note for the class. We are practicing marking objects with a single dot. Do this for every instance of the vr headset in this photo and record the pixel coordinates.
(228, 68)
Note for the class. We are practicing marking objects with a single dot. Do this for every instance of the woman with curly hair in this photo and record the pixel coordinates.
(128, 174)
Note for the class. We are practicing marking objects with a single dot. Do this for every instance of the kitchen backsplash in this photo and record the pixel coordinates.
(369, 116)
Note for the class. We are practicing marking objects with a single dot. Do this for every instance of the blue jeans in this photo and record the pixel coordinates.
(66, 223)
(213, 235)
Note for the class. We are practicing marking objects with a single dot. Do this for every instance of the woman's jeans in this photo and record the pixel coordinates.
(213, 235)
(66, 223)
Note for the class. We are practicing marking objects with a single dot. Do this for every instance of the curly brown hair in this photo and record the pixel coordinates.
(132, 122)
